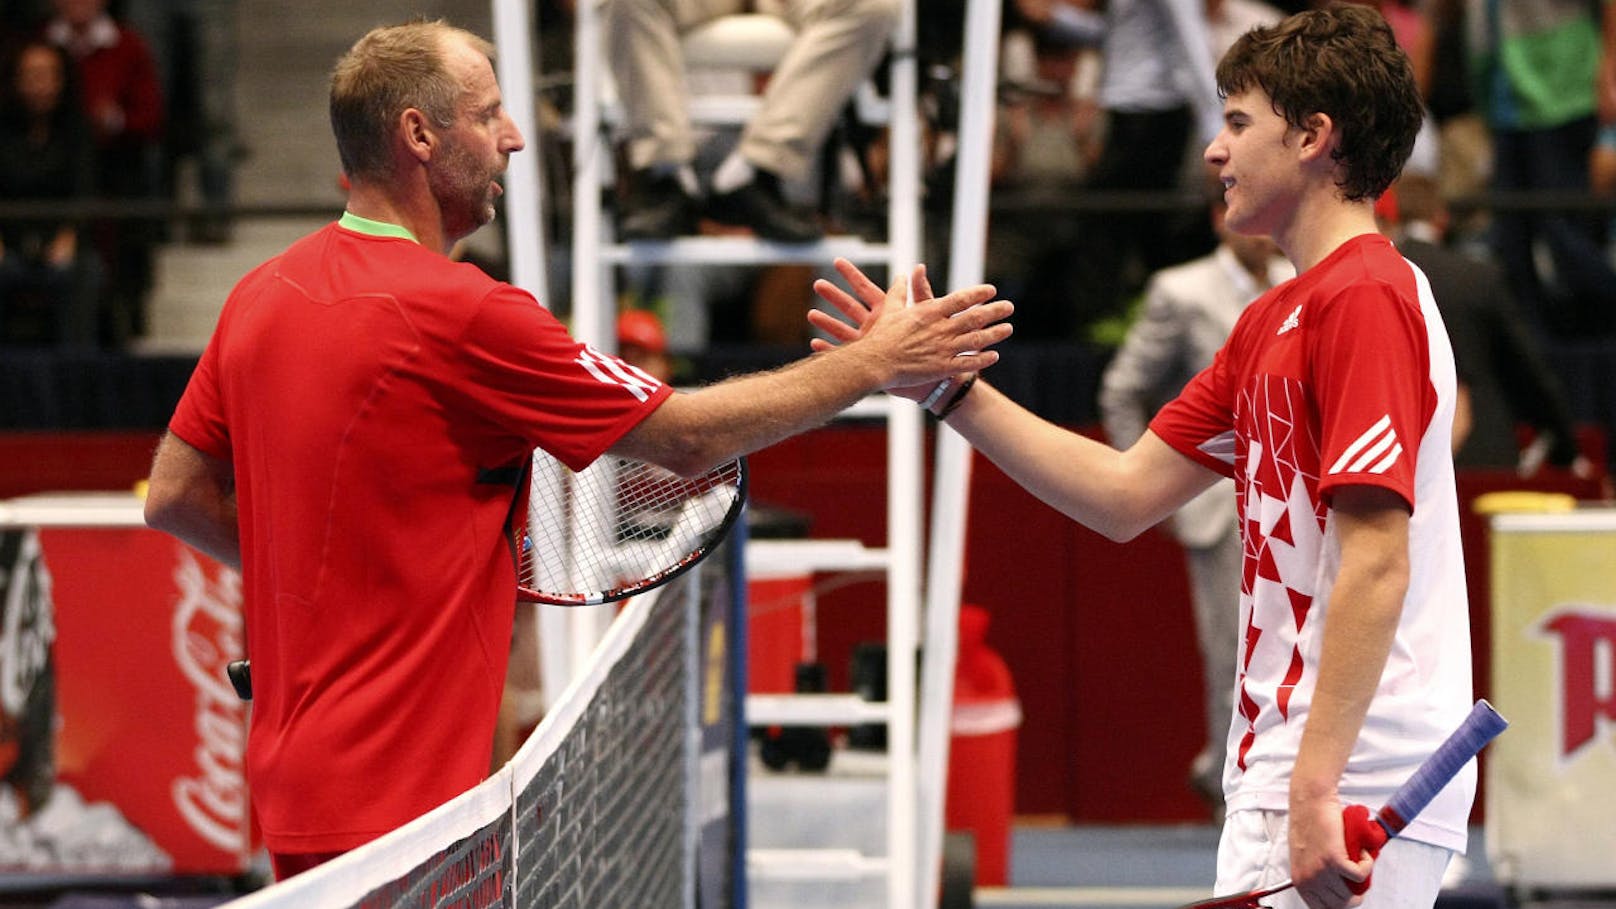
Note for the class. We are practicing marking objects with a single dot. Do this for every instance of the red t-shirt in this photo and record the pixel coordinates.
(368, 393)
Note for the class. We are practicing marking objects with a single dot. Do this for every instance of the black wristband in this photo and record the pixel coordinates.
(954, 402)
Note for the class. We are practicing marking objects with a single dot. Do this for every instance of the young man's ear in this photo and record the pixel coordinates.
(1317, 135)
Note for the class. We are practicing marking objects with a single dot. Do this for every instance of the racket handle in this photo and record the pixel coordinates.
(1479, 728)
(1363, 833)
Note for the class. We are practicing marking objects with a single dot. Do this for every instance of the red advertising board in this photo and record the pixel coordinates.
(148, 737)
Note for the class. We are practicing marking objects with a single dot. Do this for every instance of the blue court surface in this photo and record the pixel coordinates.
(1054, 866)
(1162, 867)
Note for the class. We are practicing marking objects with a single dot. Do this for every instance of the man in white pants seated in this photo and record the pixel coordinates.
(837, 44)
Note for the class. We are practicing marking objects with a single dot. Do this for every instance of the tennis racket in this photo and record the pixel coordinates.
(1367, 832)
(617, 528)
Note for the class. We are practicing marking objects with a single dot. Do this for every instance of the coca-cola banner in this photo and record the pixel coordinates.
(1550, 822)
(121, 736)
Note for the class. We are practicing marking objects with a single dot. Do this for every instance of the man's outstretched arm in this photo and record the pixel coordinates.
(901, 346)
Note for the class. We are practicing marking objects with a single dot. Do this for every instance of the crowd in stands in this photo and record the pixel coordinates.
(100, 103)
(1100, 106)
(1106, 105)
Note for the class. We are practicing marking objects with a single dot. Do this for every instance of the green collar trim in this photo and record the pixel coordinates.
(375, 228)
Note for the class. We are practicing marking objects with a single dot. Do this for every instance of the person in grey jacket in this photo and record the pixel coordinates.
(1188, 313)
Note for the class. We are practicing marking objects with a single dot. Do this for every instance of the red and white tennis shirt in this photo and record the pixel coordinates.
(1341, 376)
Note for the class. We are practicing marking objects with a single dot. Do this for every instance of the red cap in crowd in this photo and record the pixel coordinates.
(641, 328)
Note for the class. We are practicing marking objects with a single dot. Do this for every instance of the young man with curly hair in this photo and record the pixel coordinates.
(1331, 405)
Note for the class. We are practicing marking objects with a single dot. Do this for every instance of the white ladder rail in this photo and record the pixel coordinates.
(524, 191)
(592, 311)
(738, 250)
(952, 473)
(593, 255)
(813, 710)
(905, 482)
(566, 637)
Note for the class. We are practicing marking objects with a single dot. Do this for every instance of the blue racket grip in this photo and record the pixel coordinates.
(1479, 728)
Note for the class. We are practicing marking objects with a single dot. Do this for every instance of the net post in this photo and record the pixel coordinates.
(735, 654)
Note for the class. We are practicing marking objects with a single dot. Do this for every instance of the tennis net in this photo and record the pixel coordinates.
(596, 809)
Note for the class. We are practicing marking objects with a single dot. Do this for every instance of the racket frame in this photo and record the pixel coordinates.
(522, 538)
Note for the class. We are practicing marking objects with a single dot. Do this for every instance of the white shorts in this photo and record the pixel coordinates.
(1254, 853)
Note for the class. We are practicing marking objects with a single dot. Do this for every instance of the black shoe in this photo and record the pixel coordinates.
(656, 207)
(761, 206)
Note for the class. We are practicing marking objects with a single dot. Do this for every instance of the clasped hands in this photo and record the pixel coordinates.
(917, 345)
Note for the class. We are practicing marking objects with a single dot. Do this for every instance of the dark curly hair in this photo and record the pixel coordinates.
(1340, 60)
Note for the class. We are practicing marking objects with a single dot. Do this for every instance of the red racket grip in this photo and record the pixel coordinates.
(1364, 833)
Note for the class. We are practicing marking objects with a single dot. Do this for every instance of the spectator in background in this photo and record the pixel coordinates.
(1048, 135)
(1188, 313)
(836, 47)
(1062, 125)
(45, 155)
(1047, 122)
(642, 343)
(124, 104)
(1463, 145)
(1544, 79)
(194, 45)
(1504, 379)
(1159, 101)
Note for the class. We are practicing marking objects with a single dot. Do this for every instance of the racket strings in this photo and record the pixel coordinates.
(621, 525)
(650, 500)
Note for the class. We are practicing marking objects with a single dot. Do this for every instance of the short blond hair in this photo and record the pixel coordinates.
(389, 70)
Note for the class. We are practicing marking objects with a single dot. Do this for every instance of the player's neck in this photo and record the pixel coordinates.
(369, 201)
(1321, 229)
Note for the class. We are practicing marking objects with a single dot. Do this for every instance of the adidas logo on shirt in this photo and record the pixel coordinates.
(1294, 320)
(1373, 452)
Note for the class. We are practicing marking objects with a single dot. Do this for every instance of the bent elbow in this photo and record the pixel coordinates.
(1116, 528)
(1121, 534)
(687, 454)
(1123, 529)
(1121, 518)
(676, 438)
(694, 462)
(159, 509)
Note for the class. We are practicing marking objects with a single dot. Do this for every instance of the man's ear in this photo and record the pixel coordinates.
(1318, 136)
(416, 134)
